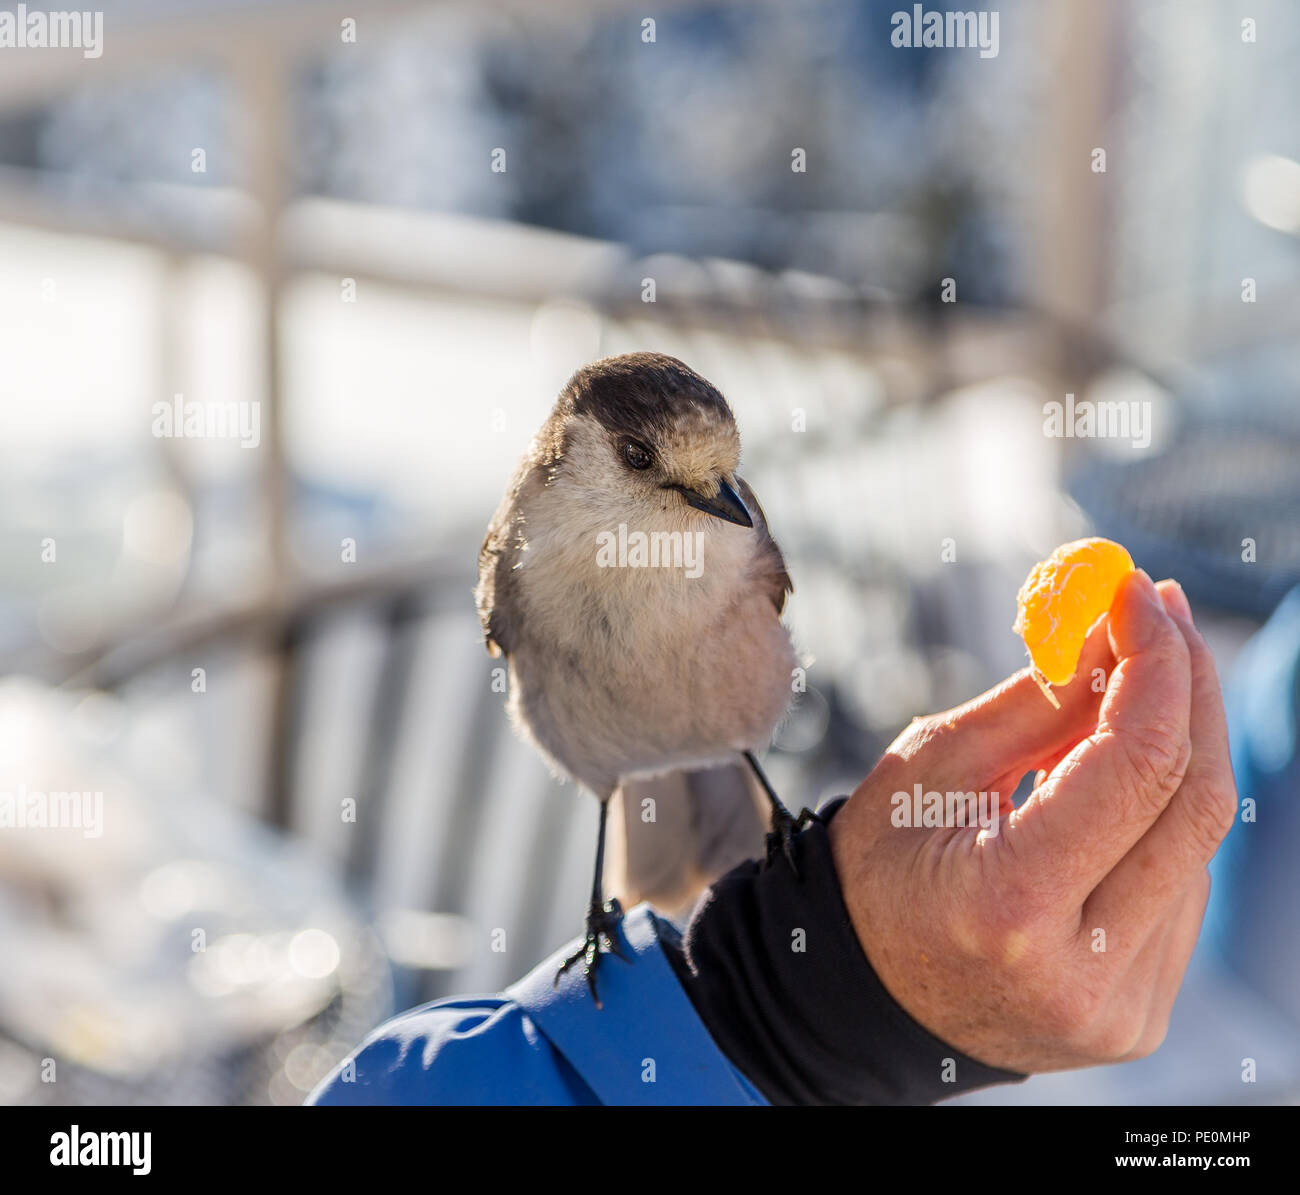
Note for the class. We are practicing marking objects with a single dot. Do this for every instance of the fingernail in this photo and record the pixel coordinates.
(1177, 600)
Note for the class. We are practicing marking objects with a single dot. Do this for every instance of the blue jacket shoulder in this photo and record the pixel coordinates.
(484, 1051)
(546, 1043)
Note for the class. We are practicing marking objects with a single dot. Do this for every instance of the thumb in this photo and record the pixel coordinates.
(991, 741)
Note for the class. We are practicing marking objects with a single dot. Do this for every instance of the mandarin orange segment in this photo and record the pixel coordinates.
(1060, 600)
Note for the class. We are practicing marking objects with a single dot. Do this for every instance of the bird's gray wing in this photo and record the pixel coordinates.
(497, 592)
(705, 823)
(491, 593)
(771, 570)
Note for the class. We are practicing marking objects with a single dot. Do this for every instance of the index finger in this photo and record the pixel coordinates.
(1106, 793)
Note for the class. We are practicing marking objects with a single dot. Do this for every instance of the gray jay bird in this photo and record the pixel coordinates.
(629, 579)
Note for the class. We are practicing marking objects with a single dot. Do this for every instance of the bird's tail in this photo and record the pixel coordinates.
(673, 835)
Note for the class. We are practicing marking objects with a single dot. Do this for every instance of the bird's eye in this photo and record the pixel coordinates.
(637, 455)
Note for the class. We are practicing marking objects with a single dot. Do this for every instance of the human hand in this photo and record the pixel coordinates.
(1058, 939)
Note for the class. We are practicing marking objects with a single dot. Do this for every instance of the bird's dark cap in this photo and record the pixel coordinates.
(644, 395)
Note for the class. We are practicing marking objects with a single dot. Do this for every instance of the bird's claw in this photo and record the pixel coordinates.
(780, 839)
(603, 921)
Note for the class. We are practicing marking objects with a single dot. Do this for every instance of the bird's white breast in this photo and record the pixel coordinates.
(624, 669)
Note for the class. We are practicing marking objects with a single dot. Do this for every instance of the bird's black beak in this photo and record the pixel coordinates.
(725, 504)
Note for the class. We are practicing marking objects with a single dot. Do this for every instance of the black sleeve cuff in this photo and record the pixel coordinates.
(775, 971)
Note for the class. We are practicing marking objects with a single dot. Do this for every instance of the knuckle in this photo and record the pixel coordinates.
(1210, 816)
(1117, 1044)
(1111, 1035)
(914, 737)
(1150, 1039)
(1087, 1019)
(1005, 936)
(1132, 1038)
(930, 729)
(1225, 808)
(1156, 761)
(1069, 1014)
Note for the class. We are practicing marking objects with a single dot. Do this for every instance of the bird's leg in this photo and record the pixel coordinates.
(784, 824)
(603, 920)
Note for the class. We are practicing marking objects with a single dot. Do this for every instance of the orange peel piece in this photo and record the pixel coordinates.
(1060, 600)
